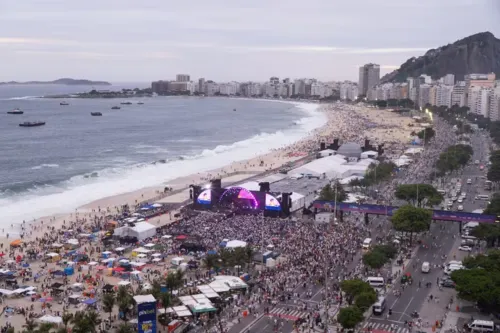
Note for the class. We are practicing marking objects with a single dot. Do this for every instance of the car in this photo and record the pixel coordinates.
(454, 199)
(447, 283)
(469, 181)
(460, 207)
(476, 162)
(460, 200)
(465, 248)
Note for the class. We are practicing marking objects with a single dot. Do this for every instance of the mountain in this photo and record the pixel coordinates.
(479, 53)
(64, 81)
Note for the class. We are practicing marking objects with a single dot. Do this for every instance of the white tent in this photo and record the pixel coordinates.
(331, 166)
(141, 230)
(235, 243)
(51, 319)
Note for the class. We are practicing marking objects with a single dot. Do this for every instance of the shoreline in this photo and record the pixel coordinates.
(224, 161)
(237, 171)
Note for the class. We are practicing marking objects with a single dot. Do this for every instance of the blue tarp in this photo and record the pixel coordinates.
(90, 301)
(212, 252)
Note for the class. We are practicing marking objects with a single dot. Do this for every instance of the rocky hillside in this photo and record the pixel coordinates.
(479, 53)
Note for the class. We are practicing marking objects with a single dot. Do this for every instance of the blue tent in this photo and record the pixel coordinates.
(90, 301)
(212, 252)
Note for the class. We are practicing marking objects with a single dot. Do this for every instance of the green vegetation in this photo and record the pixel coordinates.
(349, 317)
(426, 134)
(419, 195)
(493, 207)
(480, 282)
(494, 169)
(327, 193)
(411, 219)
(379, 255)
(490, 233)
(360, 296)
(401, 103)
(453, 158)
(376, 173)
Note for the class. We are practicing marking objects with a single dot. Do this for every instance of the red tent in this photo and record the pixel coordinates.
(119, 269)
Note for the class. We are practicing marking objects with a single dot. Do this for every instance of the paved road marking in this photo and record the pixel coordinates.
(404, 312)
(385, 327)
(293, 314)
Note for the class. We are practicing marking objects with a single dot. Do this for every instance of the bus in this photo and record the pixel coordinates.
(487, 185)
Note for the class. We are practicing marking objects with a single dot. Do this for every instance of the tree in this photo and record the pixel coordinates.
(411, 219)
(108, 302)
(353, 288)
(365, 300)
(377, 173)
(327, 193)
(45, 328)
(124, 328)
(374, 259)
(210, 261)
(493, 207)
(349, 317)
(125, 301)
(494, 172)
(454, 157)
(30, 326)
(490, 233)
(174, 280)
(67, 317)
(419, 194)
(426, 134)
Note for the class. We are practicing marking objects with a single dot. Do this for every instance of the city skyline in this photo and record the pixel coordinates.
(122, 41)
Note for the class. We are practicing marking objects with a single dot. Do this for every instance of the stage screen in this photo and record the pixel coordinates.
(272, 203)
(205, 197)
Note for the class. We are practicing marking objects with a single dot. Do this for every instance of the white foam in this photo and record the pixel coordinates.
(79, 191)
(41, 166)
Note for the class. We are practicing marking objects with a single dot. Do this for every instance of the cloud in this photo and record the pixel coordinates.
(326, 49)
(34, 41)
(98, 55)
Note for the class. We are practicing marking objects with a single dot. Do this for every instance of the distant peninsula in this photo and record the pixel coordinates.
(63, 81)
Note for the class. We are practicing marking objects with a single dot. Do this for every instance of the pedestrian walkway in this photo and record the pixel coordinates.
(376, 326)
(290, 315)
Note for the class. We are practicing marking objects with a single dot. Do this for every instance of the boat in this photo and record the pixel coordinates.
(64, 103)
(95, 113)
(15, 111)
(32, 123)
(126, 103)
(140, 103)
(115, 108)
(234, 109)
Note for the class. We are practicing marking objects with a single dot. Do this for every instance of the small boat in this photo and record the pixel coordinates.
(64, 103)
(95, 113)
(234, 109)
(126, 103)
(140, 103)
(15, 111)
(32, 124)
(115, 108)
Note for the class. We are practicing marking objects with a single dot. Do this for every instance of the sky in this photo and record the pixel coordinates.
(223, 40)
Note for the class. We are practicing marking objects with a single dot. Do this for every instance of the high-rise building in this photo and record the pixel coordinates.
(182, 78)
(458, 94)
(201, 85)
(494, 107)
(424, 92)
(160, 87)
(449, 79)
(369, 77)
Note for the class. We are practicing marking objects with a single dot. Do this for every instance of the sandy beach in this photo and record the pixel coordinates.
(346, 122)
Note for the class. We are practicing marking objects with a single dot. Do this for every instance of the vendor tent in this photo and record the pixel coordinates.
(235, 243)
(141, 230)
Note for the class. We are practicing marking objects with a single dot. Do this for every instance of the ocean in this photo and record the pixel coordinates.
(76, 158)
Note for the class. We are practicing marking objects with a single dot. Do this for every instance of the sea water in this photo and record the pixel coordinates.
(76, 158)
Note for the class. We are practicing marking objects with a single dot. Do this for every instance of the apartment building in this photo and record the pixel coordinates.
(369, 77)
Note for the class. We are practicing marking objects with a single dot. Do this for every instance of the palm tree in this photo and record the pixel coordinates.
(124, 328)
(10, 330)
(108, 302)
(93, 319)
(165, 300)
(30, 326)
(210, 261)
(174, 280)
(62, 330)
(85, 322)
(67, 317)
(45, 328)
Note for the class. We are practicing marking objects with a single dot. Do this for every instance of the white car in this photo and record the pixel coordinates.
(460, 200)
(460, 207)
(454, 199)
(465, 248)
(469, 181)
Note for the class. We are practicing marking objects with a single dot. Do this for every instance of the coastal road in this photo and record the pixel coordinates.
(447, 237)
